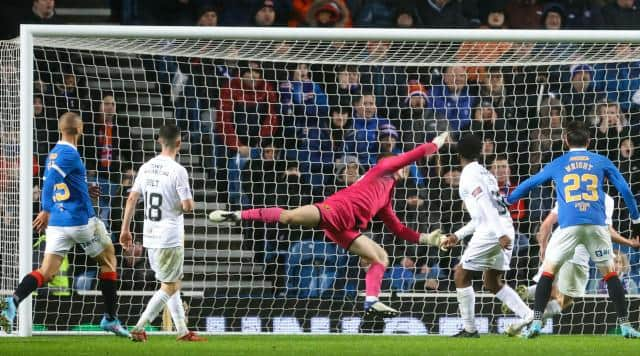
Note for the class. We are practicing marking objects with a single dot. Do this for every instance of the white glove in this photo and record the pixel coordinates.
(434, 238)
(441, 139)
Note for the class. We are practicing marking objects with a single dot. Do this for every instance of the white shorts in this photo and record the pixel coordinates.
(167, 263)
(93, 238)
(573, 276)
(484, 252)
(596, 239)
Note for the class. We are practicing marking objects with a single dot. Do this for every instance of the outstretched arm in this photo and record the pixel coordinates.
(525, 187)
(390, 219)
(393, 164)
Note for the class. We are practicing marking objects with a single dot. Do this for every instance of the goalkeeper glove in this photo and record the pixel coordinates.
(434, 238)
(441, 139)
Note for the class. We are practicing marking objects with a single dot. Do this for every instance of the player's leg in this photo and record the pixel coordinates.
(492, 280)
(561, 247)
(466, 301)
(597, 240)
(96, 242)
(307, 216)
(167, 264)
(378, 261)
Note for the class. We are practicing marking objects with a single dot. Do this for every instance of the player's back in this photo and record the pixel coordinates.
(476, 180)
(72, 205)
(160, 181)
(579, 176)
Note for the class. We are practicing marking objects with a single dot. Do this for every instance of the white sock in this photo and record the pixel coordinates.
(154, 307)
(177, 313)
(531, 291)
(371, 298)
(509, 297)
(553, 308)
(466, 304)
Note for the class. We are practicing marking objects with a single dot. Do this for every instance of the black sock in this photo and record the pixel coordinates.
(108, 288)
(616, 294)
(28, 284)
(543, 293)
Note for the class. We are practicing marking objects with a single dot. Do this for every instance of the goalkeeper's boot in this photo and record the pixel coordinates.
(191, 337)
(514, 329)
(220, 216)
(466, 334)
(138, 335)
(379, 309)
(629, 332)
(533, 331)
(114, 326)
(8, 307)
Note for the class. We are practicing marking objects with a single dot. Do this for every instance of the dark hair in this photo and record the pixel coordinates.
(470, 147)
(169, 134)
(577, 134)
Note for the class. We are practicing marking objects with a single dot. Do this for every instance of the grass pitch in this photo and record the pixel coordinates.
(339, 345)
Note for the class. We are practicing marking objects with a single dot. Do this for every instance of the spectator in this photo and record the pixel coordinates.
(320, 146)
(452, 98)
(491, 127)
(417, 122)
(107, 141)
(621, 15)
(545, 141)
(508, 106)
(579, 96)
(553, 16)
(609, 131)
(524, 14)
(43, 12)
(320, 13)
(67, 96)
(405, 18)
(439, 13)
(366, 123)
(207, 16)
(307, 97)
(265, 14)
(501, 169)
(45, 126)
(583, 14)
(344, 87)
(495, 15)
(630, 163)
(620, 81)
(376, 13)
(386, 81)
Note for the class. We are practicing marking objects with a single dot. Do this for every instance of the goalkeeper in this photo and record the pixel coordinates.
(343, 214)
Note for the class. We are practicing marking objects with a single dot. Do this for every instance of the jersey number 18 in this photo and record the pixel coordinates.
(153, 202)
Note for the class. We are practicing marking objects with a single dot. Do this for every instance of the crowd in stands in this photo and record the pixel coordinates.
(293, 133)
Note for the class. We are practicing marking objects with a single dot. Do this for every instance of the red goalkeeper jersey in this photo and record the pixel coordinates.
(371, 195)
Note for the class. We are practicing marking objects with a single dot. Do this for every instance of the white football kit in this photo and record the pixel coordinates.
(163, 184)
(490, 220)
(573, 276)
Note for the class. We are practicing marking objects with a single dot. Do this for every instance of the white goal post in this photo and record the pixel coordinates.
(416, 48)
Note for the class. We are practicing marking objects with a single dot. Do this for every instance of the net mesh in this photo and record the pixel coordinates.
(290, 122)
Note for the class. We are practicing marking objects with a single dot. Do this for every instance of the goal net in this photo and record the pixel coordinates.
(268, 119)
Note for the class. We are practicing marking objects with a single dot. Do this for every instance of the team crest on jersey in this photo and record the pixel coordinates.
(476, 192)
(326, 207)
(53, 156)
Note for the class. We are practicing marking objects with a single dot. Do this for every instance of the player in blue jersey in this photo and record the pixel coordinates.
(68, 218)
(579, 176)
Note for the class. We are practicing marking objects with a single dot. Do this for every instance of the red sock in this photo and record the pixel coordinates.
(267, 215)
(373, 279)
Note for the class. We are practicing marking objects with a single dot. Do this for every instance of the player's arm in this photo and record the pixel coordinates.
(545, 231)
(184, 191)
(126, 240)
(623, 188)
(617, 238)
(390, 219)
(525, 187)
(393, 164)
(452, 239)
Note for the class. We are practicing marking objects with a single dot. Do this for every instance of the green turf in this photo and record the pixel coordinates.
(321, 345)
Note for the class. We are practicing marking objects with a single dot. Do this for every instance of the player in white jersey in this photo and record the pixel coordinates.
(164, 185)
(574, 274)
(490, 247)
